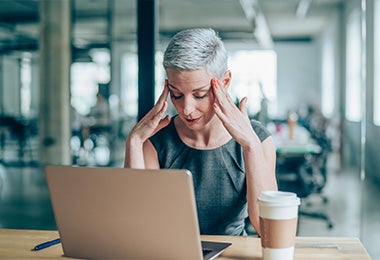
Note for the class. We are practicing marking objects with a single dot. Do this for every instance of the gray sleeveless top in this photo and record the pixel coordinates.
(218, 177)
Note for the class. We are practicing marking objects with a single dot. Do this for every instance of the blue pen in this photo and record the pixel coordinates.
(47, 244)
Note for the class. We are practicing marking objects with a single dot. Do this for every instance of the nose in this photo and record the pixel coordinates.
(188, 106)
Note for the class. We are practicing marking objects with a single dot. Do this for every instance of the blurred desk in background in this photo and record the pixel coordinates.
(294, 149)
(301, 144)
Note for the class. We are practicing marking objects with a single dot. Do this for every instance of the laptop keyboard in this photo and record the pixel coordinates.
(206, 251)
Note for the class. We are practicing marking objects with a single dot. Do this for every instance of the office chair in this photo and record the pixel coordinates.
(304, 175)
(21, 131)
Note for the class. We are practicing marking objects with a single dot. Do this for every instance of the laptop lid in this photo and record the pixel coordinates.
(125, 213)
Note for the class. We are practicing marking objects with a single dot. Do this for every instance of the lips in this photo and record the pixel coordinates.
(193, 120)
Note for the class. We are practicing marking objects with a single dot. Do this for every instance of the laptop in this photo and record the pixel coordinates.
(108, 213)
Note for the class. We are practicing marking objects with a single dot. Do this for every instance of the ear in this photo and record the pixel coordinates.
(227, 78)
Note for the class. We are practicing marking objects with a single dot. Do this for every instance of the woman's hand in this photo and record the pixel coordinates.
(152, 122)
(234, 119)
(259, 158)
(143, 130)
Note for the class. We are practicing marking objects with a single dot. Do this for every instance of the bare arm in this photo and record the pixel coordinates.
(260, 161)
(259, 158)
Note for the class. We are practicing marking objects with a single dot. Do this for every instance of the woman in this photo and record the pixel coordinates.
(231, 158)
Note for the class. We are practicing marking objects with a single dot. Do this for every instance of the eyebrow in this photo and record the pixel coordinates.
(194, 90)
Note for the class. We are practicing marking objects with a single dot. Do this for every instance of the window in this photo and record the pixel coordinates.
(376, 96)
(85, 80)
(83, 86)
(329, 73)
(26, 83)
(129, 91)
(254, 75)
(353, 64)
(129, 81)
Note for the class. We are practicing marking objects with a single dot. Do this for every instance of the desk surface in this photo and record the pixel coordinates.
(17, 244)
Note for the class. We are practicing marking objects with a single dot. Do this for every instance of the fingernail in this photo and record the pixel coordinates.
(215, 83)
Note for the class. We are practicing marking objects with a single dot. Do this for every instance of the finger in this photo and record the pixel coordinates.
(160, 102)
(160, 113)
(221, 95)
(218, 93)
(163, 122)
(243, 105)
(164, 94)
(219, 112)
(156, 113)
(166, 87)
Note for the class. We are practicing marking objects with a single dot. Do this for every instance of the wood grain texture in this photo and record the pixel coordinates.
(18, 244)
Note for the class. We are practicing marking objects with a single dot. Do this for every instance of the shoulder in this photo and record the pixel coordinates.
(261, 131)
(165, 136)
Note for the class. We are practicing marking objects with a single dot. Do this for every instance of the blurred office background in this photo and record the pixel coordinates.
(76, 75)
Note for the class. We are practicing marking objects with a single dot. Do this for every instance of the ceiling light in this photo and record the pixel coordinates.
(303, 8)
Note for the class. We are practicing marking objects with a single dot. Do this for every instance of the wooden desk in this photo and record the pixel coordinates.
(17, 244)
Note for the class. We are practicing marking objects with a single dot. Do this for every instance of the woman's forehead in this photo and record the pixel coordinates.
(194, 88)
(194, 79)
(188, 74)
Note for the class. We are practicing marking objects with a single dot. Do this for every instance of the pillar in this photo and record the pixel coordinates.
(55, 61)
(146, 39)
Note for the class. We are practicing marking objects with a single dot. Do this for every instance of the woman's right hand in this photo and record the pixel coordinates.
(152, 122)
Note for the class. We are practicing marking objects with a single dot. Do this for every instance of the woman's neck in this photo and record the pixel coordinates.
(213, 135)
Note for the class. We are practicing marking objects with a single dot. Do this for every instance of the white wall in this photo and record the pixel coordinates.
(298, 75)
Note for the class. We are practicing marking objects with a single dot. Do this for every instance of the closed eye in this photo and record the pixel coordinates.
(203, 96)
(179, 96)
(174, 96)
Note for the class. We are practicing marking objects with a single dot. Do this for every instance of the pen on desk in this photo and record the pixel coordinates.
(47, 244)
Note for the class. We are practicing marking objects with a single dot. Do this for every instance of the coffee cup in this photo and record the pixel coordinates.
(278, 224)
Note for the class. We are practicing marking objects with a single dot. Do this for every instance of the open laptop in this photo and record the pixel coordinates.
(108, 213)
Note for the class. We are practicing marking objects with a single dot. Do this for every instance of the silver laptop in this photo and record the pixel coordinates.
(108, 213)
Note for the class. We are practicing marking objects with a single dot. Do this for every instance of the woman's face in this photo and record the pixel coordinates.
(192, 96)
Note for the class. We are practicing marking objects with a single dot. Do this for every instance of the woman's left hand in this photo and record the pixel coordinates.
(234, 119)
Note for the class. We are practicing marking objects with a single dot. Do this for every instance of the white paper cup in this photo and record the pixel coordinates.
(278, 224)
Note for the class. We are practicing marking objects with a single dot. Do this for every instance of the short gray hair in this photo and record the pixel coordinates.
(194, 49)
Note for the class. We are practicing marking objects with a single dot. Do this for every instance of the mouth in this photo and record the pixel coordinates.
(192, 120)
